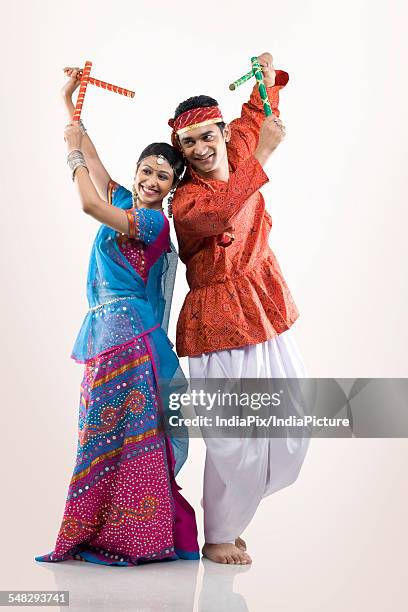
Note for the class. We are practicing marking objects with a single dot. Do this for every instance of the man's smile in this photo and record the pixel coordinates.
(203, 159)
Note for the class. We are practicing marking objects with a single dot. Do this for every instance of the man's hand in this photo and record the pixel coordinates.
(272, 132)
(73, 82)
(268, 71)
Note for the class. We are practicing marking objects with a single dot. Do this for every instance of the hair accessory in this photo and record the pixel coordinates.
(161, 159)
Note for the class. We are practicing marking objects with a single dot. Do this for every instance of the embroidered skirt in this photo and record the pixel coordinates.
(123, 505)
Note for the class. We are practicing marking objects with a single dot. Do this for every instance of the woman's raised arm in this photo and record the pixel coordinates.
(92, 203)
(97, 171)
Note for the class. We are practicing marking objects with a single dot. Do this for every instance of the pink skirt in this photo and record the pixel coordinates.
(123, 506)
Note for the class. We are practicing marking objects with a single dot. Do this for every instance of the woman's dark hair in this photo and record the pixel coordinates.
(173, 156)
(197, 102)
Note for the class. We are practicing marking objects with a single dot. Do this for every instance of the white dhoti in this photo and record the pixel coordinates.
(239, 472)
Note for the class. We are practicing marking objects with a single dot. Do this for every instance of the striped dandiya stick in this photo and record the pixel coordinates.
(256, 68)
(109, 87)
(257, 73)
(82, 89)
(85, 76)
(243, 79)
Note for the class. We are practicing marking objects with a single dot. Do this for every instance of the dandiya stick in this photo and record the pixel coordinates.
(109, 87)
(243, 79)
(256, 68)
(82, 89)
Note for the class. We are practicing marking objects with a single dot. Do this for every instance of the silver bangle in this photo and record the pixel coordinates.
(75, 153)
(82, 127)
(76, 159)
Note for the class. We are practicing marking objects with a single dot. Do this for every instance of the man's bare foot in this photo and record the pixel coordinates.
(241, 544)
(226, 553)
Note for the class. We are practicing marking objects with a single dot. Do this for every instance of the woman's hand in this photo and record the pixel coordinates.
(73, 137)
(72, 83)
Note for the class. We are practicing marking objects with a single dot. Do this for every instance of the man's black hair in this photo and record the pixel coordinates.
(197, 102)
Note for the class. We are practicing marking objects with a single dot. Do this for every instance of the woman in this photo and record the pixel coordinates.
(123, 504)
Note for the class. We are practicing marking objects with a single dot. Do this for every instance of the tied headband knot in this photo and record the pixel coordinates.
(194, 118)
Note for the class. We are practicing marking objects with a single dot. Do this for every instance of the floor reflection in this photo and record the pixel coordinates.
(217, 590)
(152, 587)
(169, 586)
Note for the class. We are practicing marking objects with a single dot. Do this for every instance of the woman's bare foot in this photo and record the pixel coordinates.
(241, 544)
(226, 553)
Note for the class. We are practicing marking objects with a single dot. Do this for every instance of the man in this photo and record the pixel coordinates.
(235, 319)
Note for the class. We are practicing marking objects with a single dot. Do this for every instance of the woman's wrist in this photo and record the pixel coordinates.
(75, 160)
(67, 97)
(71, 148)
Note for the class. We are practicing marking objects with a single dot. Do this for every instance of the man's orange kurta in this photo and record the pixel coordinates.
(237, 295)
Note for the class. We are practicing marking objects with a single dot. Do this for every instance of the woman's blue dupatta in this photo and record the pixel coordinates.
(123, 308)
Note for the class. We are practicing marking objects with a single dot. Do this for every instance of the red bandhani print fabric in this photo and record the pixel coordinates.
(195, 117)
(238, 295)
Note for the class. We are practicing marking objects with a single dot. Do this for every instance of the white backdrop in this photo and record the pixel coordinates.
(337, 191)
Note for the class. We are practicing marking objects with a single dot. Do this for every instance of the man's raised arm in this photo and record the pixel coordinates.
(245, 129)
(212, 213)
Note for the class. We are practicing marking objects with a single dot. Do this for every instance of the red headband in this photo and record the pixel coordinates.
(194, 118)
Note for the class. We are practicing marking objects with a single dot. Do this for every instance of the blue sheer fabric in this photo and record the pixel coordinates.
(122, 307)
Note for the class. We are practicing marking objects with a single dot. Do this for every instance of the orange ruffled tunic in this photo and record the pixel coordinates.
(238, 295)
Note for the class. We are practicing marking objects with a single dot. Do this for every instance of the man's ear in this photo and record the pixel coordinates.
(227, 132)
(175, 141)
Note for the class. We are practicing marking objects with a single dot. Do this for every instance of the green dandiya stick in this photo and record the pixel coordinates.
(256, 69)
(243, 79)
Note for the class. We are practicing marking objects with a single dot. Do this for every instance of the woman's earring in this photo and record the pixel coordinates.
(170, 203)
(135, 197)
